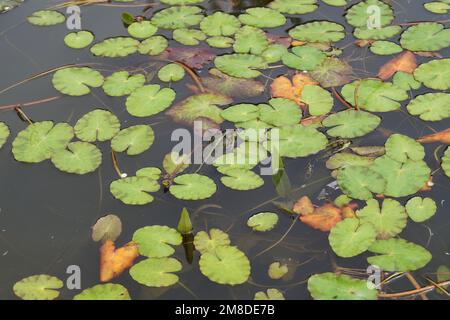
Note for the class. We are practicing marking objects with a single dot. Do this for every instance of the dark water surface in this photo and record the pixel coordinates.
(46, 215)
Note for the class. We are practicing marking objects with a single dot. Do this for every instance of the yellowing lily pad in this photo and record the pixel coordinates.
(107, 291)
(38, 287)
(208, 242)
(270, 294)
(277, 270)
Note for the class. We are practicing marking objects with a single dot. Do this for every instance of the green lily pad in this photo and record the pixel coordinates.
(280, 112)
(262, 18)
(426, 36)
(240, 179)
(240, 65)
(78, 158)
(156, 272)
(226, 265)
(171, 72)
(403, 148)
(135, 140)
(331, 286)
(174, 163)
(76, 81)
(220, 42)
(250, 40)
(437, 7)
(359, 14)
(388, 221)
(149, 100)
(264, 221)
(350, 237)
(332, 72)
(335, 3)
(446, 162)
(97, 125)
(360, 182)
(402, 179)
(304, 58)
(385, 48)
(193, 187)
(294, 7)
(78, 40)
(274, 53)
(241, 112)
(430, 106)
(346, 159)
(40, 140)
(277, 270)
(205, 242)
(177, 17)
(38, 287)
(121, 83)
(142, 29)
(115, 47)
(421, 209)
(153, 46)
(270, 294)
(374, 95)
(107, 291)
(189, 37)
(319, 100)
(398, 255)
(157, 241)
(220, 24)
(46, 18)
(318, 31)
(406, 81)
(108, 227)
(351, 124)
(435, 74)
(7, 5)
(4, 133)
(383, 33)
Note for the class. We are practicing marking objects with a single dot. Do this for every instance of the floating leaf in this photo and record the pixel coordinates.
(189, 37)
(426, 36)
(134, 140)
(177, 17)
(351, 123)
(175, 163)
(294, 7)
(331, 286)
(280, 112)
(377, 33)
(78, 158)
(346, 159)
(205, 242)
(274, 53)
(262, 18)
(38, 287)
(441, 136)
(240, 179)
(421, 209)
(193, 187)
(114, 261)
(282, 87)
(304, 58)
(220, 24)
(437, 7)
(78, 40)
(121, 83)
(4, 133)
(142, 29)
(398, 255)
(359, 14)
(359, 182)
(349, 237)
(250, 40)
(156, 272)
(434, 74)
(385, 48)
(388, 221)
(277, 270)
(323, 218)
(271, 294)
(40, 140)
(446, 162)
(97, 125)
(153, 46)
(7, 5)
(107, 291)
(332, 72)
(108, 227)
(194, 58)
(240, 65)
(46, 18)
(220, 42)
(180, 2)
(403, 148)
(156, 241)
(405, 62)
(115, 47)
(319, 100)
(226, 265)
(318, 31)
(76, 81)
(431, 106)
(406, 81)
(264, 221)
(134, 190)
(149, 100)
(171, 72)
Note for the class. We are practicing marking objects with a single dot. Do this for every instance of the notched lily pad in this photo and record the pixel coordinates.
(121, 83)
(193, 187)
(208, 242)
(156, 272)
(38, 287)
(134, 140)
(149, 100)
(97, 125)
(351, 124)
(76, 81)
(4, 133)
(107, 291)
(157, 241)
(421, 209)
(46, 18)
(79, 158)
(263, 221)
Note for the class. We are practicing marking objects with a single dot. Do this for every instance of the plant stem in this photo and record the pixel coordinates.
(29, 104)
(413, 292)
(416, 285)
(116, 164)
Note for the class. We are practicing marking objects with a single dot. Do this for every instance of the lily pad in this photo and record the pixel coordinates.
(76, 81)
(294, 7)
(40, 140)
(4, 133)
(226, 265)
(346, 159)
(193, 187)
(189, 37)
(157, 241)
(331, 286)
(156, 272)
(437, 7)
(318, 100)
(262, 18)
(277, 270)
(250, 40)
(446, 162)
(107, 291)
(153, 46)
(406, 81)
(121, 83)
(220, 42)
(403, 148)
(220, 24)
(398, 255)
(240, 179)
(38, 287)
(270, 294)
(240, 65)
(318, 31)
(385, 48)
(360, 182)
(382, 33)
(7, 5)
(177, 17)
(274, 53)
(350, 237)
(421, 209)
(78, 158)
(174, 163)
(304, 58)
(264, 221)
(108, 227)
(359, 14)
(280, 112)
(232, 87)
(46, 18)
(142, 29)
(171, 72)
(435, 74)
(115, 47)
(426, 36)
(208, 242)
(134, 190)
(97, 125)
(332, 72)
(149, 100)
(135, 140)
(430, 106)
(351, 124)
(79, 40)
(388, 221)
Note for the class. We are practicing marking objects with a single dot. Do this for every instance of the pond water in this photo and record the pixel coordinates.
(46, 215)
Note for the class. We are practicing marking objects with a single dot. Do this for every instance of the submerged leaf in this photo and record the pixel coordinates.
(108, 227)
(114, 261)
